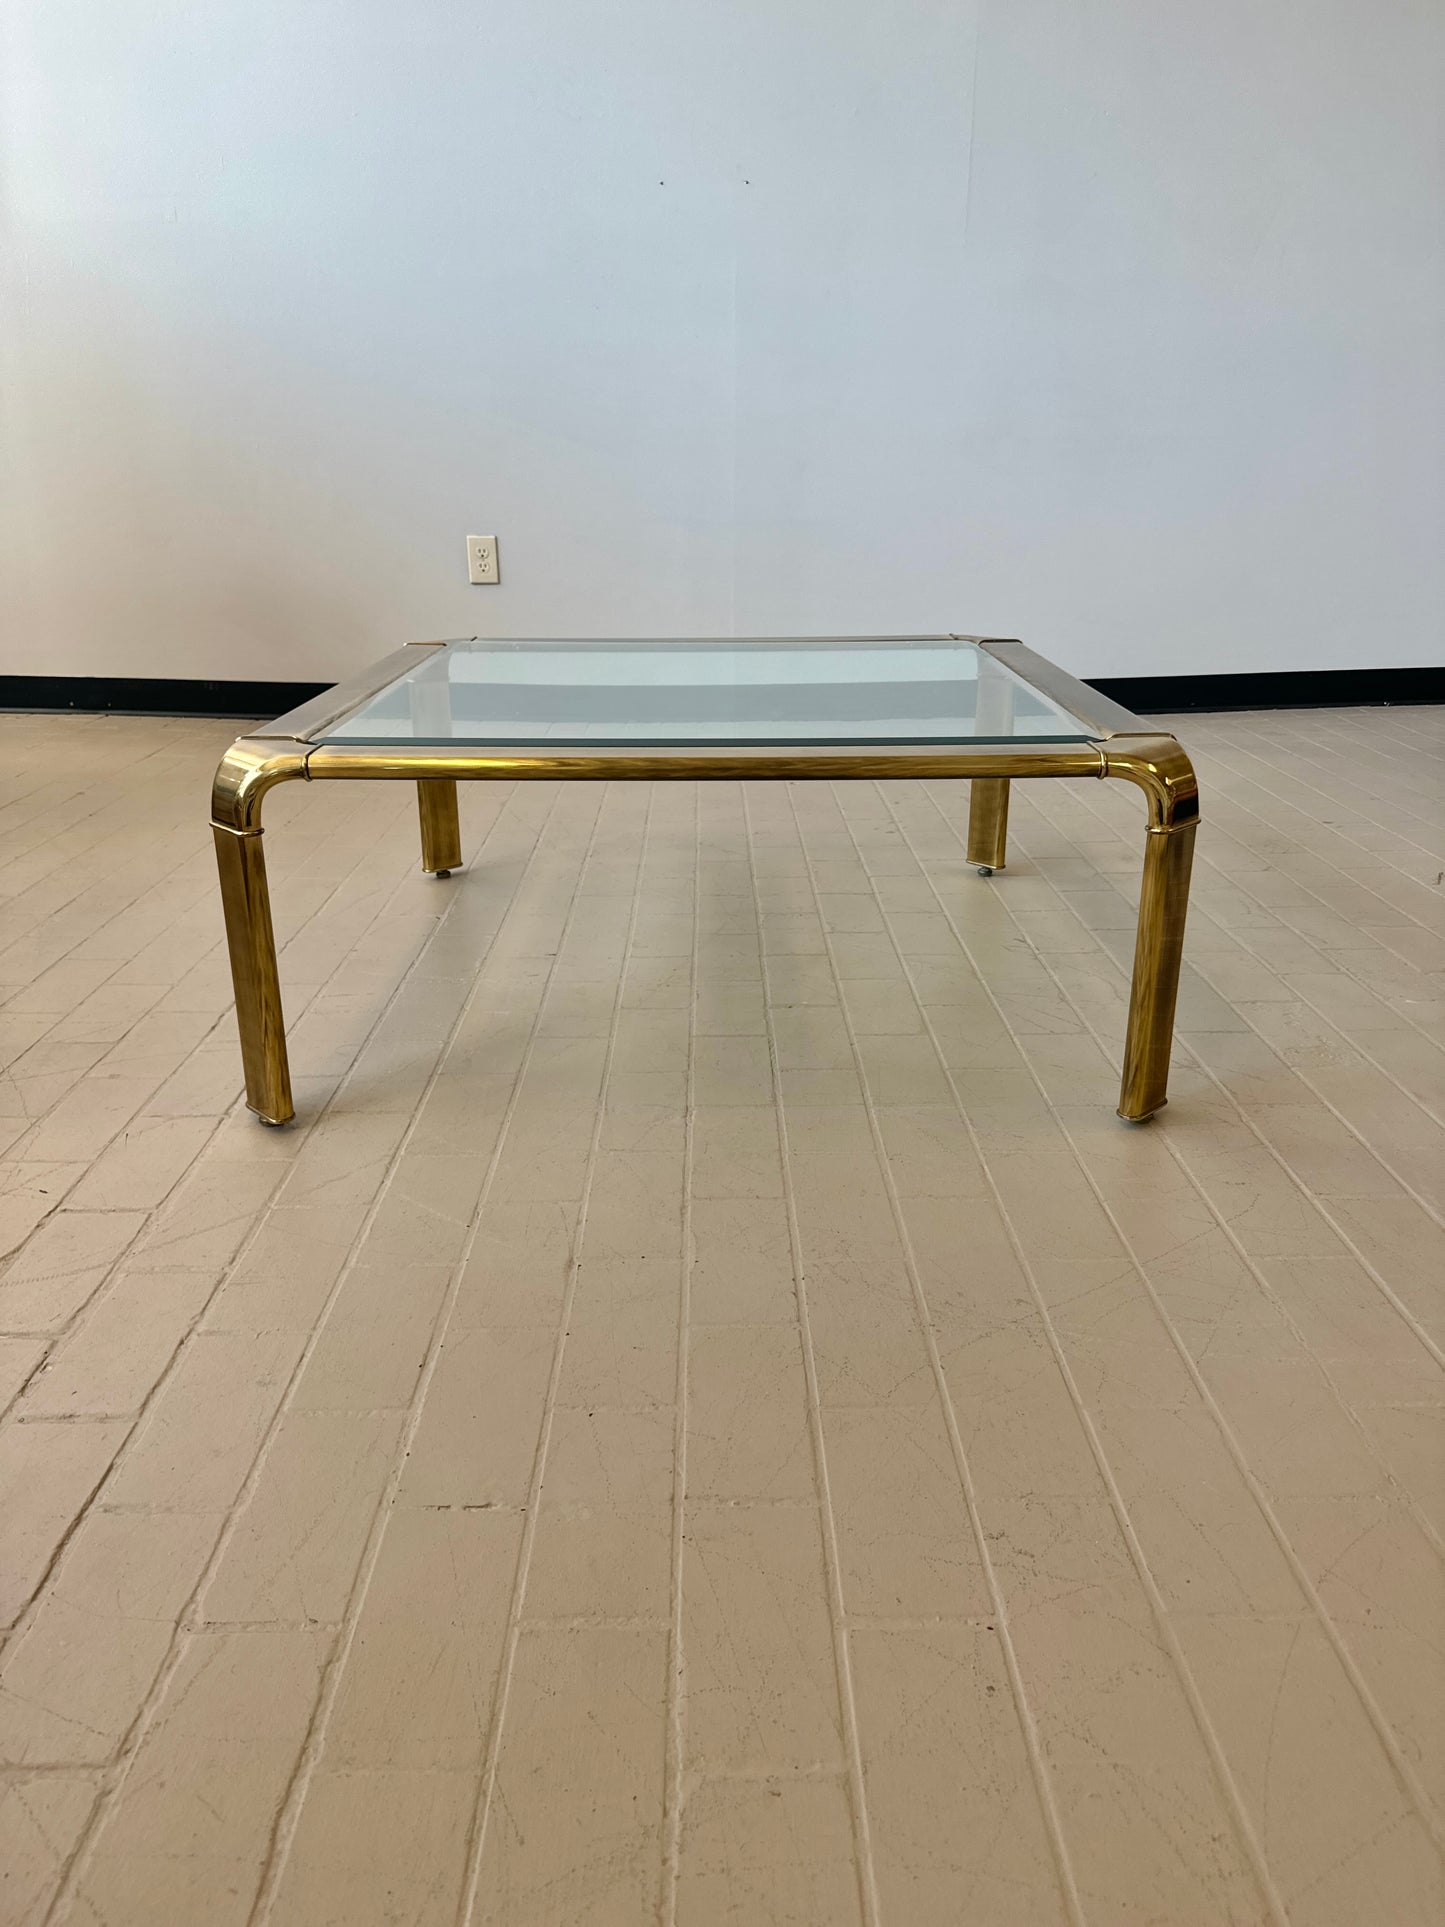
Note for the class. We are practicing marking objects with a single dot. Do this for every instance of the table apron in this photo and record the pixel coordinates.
(335, 761)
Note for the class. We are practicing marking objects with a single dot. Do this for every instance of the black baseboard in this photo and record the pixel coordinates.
(156, 695)
(1145, 695)
(1273, 689)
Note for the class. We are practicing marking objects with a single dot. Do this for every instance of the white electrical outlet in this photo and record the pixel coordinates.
(482, 559)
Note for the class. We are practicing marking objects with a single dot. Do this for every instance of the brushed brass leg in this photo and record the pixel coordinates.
(1158, 949)
(988, 822)
(441, 831)
(247, 905)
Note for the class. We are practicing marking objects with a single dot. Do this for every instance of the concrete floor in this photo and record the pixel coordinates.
(708, 1417)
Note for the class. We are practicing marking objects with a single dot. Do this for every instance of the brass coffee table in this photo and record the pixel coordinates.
(829, 708)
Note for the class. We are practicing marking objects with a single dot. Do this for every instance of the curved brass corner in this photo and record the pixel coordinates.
(248, 769)
(1159, 765)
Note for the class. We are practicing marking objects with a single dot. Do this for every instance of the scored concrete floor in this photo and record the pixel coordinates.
(707, 1416)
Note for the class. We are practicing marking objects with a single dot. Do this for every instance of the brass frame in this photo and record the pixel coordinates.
(1119, 745)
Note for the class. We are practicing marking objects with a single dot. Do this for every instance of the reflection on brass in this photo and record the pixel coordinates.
(1158, 948)
(803, 762)
(247, 906)
(1162, 770)
(248, 769)
(1160, 767)
(988, 822)
(441, 831)
(1124, 748)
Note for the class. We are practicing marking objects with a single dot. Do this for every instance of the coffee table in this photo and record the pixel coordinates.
(974, 707)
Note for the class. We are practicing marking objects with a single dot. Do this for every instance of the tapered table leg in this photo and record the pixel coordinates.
(1158, 950)
(247, 905)
(441, 830)
(988, 822)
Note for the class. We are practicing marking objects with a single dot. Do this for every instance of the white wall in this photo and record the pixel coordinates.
(1114, 324)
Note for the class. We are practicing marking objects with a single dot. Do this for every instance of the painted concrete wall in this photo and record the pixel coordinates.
(1115, 326)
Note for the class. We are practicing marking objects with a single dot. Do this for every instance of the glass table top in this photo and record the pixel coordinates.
(896, 690)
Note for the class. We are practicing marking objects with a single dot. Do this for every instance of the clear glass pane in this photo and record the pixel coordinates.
(597, 695)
